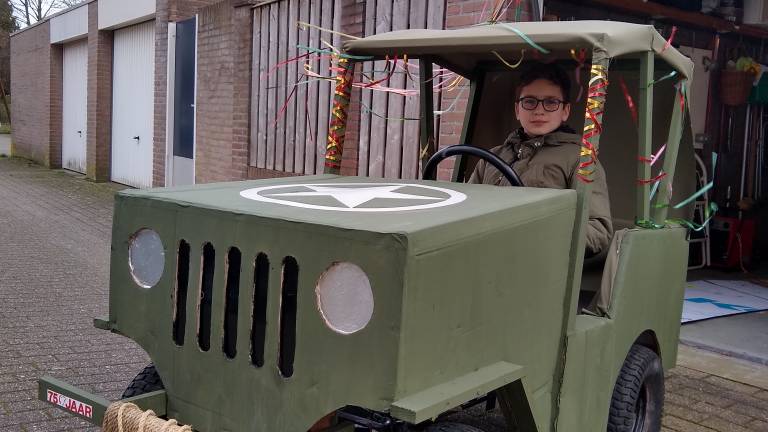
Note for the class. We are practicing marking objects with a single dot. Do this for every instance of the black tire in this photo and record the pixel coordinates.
(451, 427)
(146, 381)
(638, 396)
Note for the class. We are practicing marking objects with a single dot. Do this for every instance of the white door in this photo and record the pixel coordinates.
(74, 104)
(133, 74)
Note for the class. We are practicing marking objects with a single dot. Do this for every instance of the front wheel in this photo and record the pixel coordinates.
(146, 381)
(638, 396)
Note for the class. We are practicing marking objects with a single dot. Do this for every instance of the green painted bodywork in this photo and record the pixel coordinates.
(433, 302)
(478, 296)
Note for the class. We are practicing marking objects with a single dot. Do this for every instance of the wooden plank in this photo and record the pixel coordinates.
(366, 96)
(282, 90)
(310, 165)
(393, 146)
(253, 146)
(290, 111)
(324, 98)
(380, 99)
(302, 94)
(410, 165)
(272, 84)
(263, 94)
(427, 144)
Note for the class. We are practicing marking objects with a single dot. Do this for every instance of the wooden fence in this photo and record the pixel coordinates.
(291, 137)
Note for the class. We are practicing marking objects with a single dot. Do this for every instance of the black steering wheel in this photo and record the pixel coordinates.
(430, 169)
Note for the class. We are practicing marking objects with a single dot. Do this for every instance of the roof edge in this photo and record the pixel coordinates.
(49, 17)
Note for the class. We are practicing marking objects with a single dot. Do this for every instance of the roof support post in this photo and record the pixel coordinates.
(645, 134)
(427, 112)
(477, 80)
(339, 112)
(664, 194)
(590, 141)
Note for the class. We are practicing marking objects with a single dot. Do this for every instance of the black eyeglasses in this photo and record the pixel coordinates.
(530, 103)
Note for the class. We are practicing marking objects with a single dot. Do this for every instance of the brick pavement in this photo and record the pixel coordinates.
(54, 261)
(54, 269)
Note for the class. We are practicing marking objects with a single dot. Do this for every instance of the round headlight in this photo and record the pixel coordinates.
(345, 298)
(146, 257)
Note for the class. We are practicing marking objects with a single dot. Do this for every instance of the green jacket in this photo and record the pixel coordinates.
(550, 161)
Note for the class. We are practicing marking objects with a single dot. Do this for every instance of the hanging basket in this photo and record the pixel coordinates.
(735, 86)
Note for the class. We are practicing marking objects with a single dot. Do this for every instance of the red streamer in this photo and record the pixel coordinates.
(651, 180)
(671, 38)
(628, 98)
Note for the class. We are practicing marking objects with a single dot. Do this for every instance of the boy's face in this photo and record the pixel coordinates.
(541, 120)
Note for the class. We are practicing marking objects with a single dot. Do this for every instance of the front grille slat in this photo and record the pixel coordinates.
(230, 307)
(206, 298)
(180, 293)
(259, 324)
(288, 309)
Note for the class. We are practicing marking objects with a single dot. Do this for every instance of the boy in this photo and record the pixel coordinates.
(544, 151)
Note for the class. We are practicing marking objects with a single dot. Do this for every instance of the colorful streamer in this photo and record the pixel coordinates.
(628, 99)
(592, 125)
(671, 38)
(509, 65)
(524, 37)
(664, 78)
(338, 126)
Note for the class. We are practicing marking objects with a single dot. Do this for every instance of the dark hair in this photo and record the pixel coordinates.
(548, 71)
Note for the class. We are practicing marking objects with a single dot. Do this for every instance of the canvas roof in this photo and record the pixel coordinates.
(464, 48)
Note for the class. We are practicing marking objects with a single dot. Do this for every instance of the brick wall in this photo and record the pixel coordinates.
(99, 105)
(31, 86)
(166, 11)
(55, 105)
(215, 85)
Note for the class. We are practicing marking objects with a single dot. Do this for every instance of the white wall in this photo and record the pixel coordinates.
(70, 25)
(120, 13)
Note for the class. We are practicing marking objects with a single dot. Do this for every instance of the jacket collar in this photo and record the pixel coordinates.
(562, 135)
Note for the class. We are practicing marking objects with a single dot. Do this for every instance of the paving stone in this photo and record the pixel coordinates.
(722, 425)
(680, 425)
(758, 426)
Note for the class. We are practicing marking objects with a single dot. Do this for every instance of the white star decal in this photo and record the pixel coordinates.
(354, 197)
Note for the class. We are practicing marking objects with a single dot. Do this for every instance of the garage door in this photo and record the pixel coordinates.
(133, 71)
(74, 103)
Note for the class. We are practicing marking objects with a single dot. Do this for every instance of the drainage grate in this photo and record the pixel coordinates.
(287, 347)
(206, 297)
(180, 293)
(259, 325)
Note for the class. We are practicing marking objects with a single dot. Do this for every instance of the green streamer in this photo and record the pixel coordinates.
(523, 36)
(664, 78)
(329, 52)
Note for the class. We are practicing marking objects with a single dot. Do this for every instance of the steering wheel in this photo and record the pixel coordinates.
(430, 168)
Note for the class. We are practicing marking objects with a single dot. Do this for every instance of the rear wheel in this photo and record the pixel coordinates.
(638, 395)
(145, 382)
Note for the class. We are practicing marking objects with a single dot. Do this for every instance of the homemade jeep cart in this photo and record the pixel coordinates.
(334, 303)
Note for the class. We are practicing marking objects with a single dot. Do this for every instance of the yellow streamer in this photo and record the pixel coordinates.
(511, 66)
(305, 24)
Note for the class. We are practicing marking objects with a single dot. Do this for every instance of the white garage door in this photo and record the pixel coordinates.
(133, 72)
(74, 103)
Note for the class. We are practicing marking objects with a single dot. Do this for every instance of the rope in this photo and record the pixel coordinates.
(127, 417)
